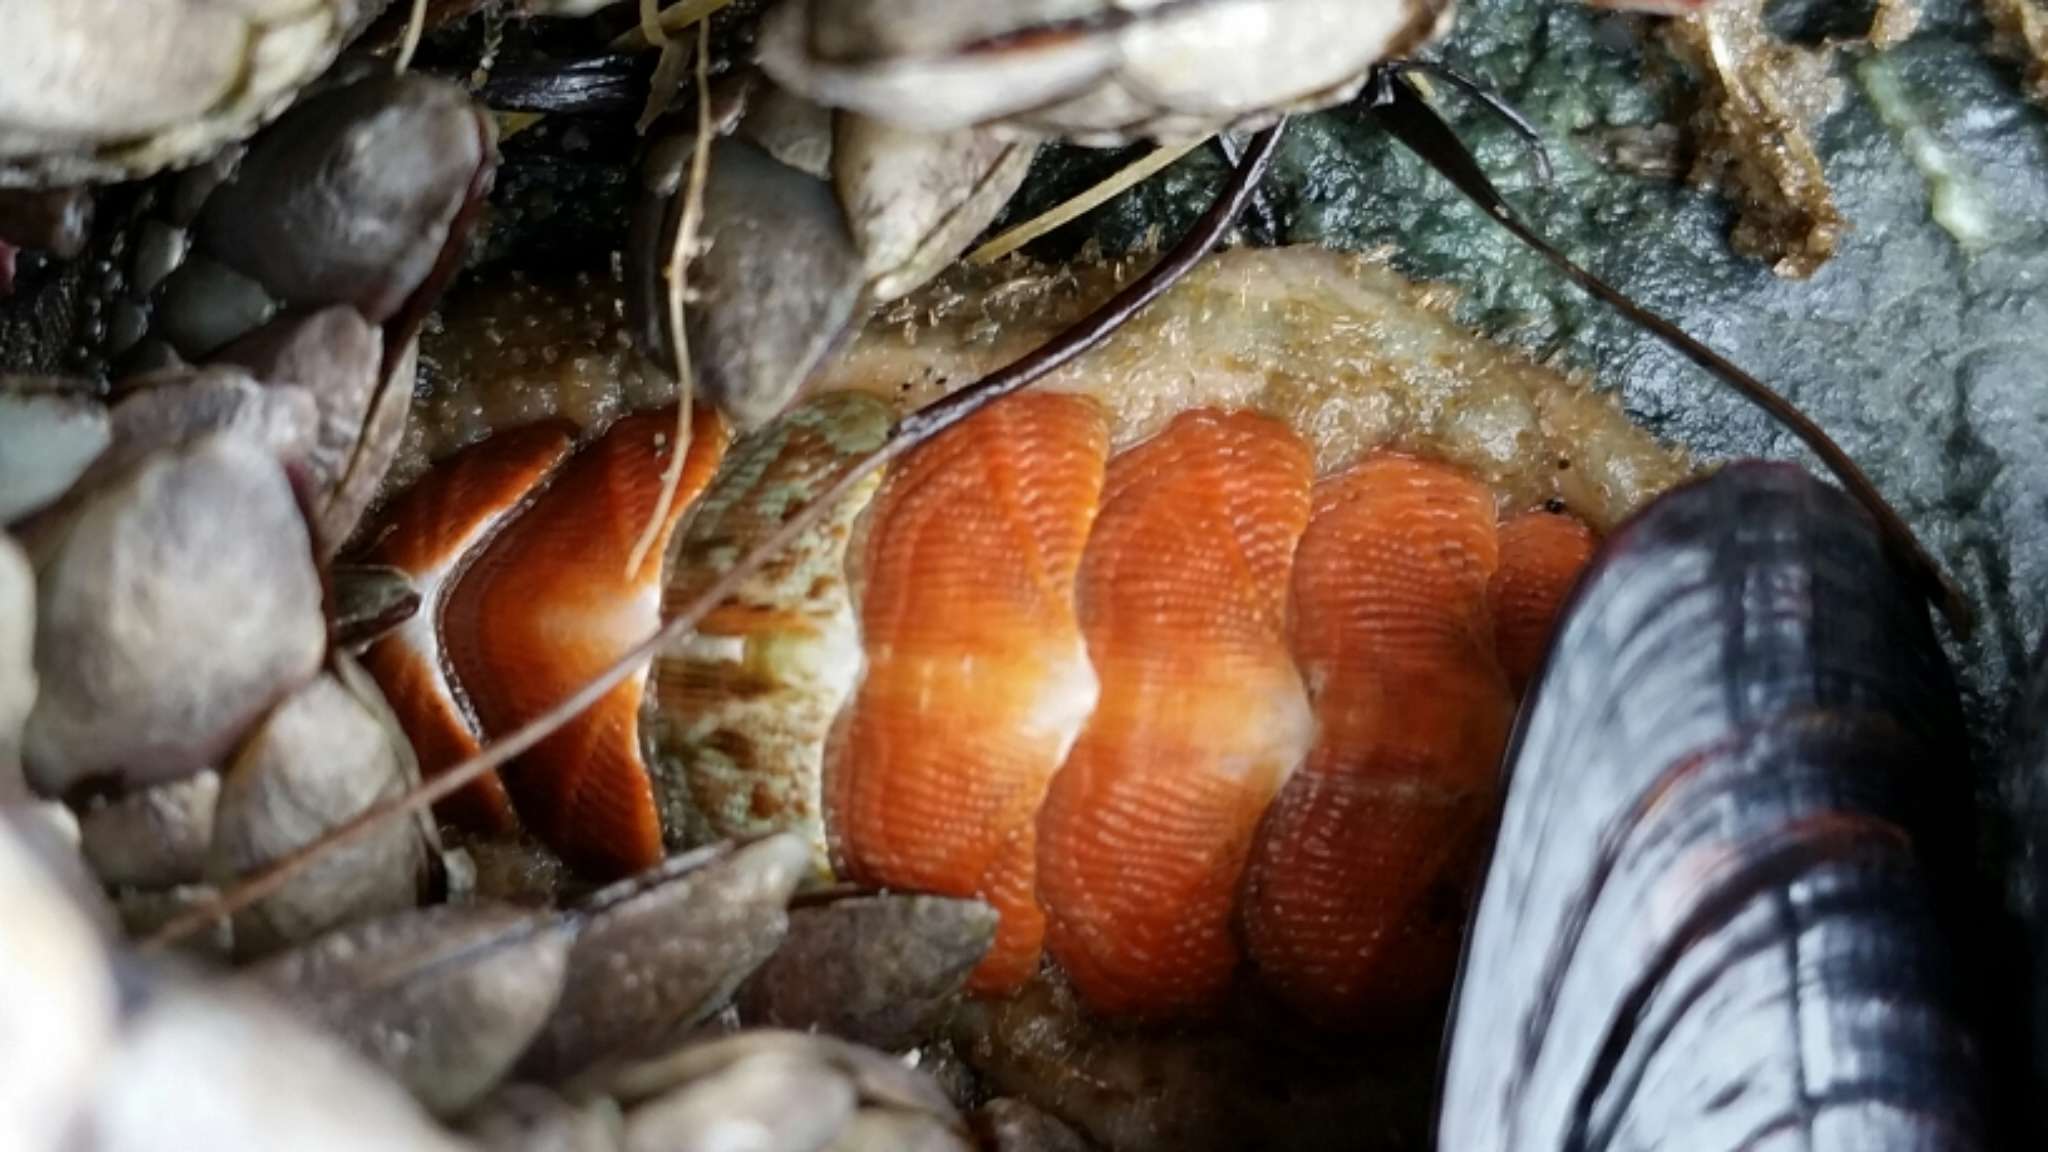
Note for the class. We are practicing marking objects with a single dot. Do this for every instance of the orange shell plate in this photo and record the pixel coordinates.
(1354, 900)
(548, 606)
(977, 679)
(1183, 597)
(1541, 555)
(426, 533)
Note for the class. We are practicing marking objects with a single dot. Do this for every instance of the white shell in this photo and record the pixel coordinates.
(112, 89)
(915, 200)
(92, 69)
(1092, 70)
(228, 1073)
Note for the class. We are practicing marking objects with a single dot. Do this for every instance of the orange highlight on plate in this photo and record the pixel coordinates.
(1541, 555)
(1183, 592)
(977, 680)
(428, 532)
(548, 606)
(1354, 900)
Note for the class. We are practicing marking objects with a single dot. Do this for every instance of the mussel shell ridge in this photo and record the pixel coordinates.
(1714, 917)
(2018, 834)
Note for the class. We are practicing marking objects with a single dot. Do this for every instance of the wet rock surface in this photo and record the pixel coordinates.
(1010, 1125)
(1236, 1084)
(1920, 352)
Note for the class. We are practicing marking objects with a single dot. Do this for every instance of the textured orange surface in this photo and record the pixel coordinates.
(548, 606)
(1541, 554)
(977, 678)
(1354, 898)
(426, 532)
(1183, 595)
(1233, 714)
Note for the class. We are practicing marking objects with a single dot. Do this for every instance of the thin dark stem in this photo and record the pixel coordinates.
(1263, 220)
(1523, 127)
(913, 430)
(1396, 105)
(1097, 326)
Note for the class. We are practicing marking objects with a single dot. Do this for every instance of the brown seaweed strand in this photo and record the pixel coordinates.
(1395, 104)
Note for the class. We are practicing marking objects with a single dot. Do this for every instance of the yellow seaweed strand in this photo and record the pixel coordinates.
(1062, 214)
(415, 27)
(678, 269)
(675, 19)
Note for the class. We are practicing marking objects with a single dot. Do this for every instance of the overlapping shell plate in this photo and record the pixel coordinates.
(1073, 601)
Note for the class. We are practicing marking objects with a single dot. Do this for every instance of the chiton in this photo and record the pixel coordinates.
(1204, 652)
